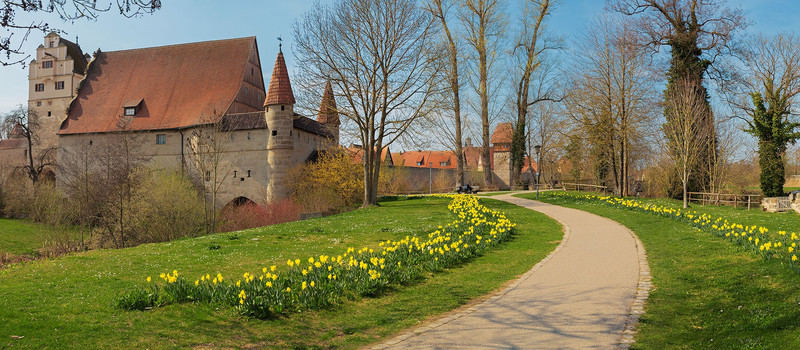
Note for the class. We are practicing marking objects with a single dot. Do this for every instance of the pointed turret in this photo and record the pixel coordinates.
(280, 89)
(328, 114)
(279, 114)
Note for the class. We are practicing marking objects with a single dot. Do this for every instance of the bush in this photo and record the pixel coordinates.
(251, 215)
(331, 182)
(169, 208)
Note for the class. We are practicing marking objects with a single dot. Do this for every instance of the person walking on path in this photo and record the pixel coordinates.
(584, 295)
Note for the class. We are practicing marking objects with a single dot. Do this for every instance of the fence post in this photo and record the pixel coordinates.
(748, 202)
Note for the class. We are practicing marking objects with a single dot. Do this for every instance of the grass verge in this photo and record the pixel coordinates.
(21, 237)
(708, 292)
(68, 302)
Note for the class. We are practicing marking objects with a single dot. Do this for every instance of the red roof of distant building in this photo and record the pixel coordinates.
(357, 154)
(280, 89)
(503, 133)
(425, 159)
(178, 85)
(13, 143)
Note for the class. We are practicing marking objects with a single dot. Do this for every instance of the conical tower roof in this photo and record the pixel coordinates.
(327, 109)
(280, 89)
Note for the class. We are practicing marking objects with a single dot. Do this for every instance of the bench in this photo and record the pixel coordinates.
(475, 190)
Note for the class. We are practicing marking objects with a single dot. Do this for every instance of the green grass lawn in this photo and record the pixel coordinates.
(68, 302)
(20, 237)
(709, 293)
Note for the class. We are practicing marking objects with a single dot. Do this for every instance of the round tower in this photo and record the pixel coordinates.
(279, 114)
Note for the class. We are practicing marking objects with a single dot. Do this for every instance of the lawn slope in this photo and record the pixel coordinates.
(68, 302)
(708, 292)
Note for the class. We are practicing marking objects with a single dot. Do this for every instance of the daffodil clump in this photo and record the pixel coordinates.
(780, 245)
(320, 281)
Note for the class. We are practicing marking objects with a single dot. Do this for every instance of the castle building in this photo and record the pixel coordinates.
(170, 98)
(53, 77)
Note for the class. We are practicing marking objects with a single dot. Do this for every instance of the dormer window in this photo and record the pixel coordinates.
(52, 43)
(131, 107)
(47, 64)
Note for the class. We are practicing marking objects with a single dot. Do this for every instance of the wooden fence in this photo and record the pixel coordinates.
(735, 200)
(568, 186)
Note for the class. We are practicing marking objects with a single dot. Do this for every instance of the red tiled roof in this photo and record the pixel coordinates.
(327, 109)
(17, 132)
(437, 158)
(503, 133)
(179, 85)
(280, 89)
(357, 155)
(13, 143)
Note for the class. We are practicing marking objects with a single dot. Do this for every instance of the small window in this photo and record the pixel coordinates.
(248, 173)
(39, 87)
(38, 103)
(442, 163)
(245, 90)
(274, 132)
(234, 173)
(59, 85)
(130, 111)
(161, 139)
(252, 71)
(49, 113)
(283, 107)
(90, 142)
(52, 43)
(47, 64)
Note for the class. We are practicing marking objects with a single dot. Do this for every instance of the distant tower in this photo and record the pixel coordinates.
(279, 113)
(53, 77)
(328, 114)
(501, 153)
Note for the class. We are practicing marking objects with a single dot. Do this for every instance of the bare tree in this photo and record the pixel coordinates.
(441, 11)
(77, 175)
(530, 46)
(120, 170)
(209, 145)
(612, 97)
(686, 103)
(17, 33)
(484, 24)
(26, 123)
(378, 55)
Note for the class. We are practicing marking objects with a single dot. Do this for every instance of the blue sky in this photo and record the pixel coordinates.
(182, 21)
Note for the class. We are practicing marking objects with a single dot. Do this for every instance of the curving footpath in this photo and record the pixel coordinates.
(587, 294)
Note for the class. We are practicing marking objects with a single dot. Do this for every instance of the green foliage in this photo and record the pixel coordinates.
(774, 131)
(575, 155)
